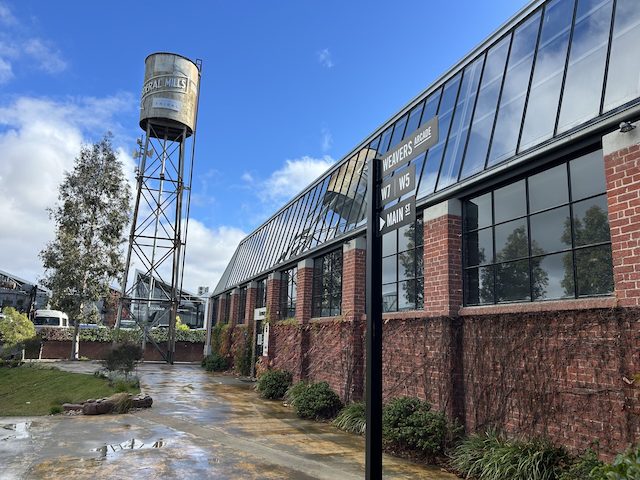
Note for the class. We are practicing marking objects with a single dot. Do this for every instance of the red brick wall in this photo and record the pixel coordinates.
(354, 283)
(304, 294)
(273, 298)
(235, 307)
(443, 265)
(622, 173)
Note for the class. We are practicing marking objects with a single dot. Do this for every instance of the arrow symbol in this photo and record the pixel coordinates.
(382, 223)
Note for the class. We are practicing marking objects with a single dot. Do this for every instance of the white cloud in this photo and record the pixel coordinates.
(324, 57)
(247, 177)
(6, 16)
(47, 57)
(296, 174)
(327, 139)
(6, 72)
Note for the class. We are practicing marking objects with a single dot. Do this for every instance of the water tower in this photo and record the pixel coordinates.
(168, 116)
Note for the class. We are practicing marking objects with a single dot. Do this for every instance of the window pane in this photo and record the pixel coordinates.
(585, 74)
(477, 212)
(479, 286)
(594, 268)
(406, 265)
(407, 295)
(542, 106)
(398, 132)
(548, 189)
(389, 298)
(484, 115)
(516, 82)
(550, 231)
(406, 237)
(623, 77)
(512, 281)
(389, 269)
(510, 202)
(511, 240)
(434, 155)
(460, 127)
(591, 222)
(414, 118)
(552, 276)
(478, 247)
(587, 176)
(389, 243)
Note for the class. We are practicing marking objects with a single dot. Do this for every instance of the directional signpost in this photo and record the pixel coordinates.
(401, 181)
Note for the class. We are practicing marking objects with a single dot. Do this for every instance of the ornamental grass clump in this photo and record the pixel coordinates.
(317, 402)
(409, 423)
(491, 456)
(273, 384)
(352, 418)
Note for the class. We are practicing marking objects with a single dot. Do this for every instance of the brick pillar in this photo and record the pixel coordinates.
(443, 258)
(252, 292)
(305, 291)
(274, 286)
(622, 175)
(354, 259)
(235, 307)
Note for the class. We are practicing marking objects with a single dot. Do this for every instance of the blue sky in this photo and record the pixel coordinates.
(288, 87)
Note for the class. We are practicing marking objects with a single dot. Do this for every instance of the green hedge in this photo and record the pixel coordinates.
(131, 336)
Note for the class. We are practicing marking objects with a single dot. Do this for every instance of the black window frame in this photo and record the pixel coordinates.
(288, 292)
(242, 305)
(261, 292)
(326, 268)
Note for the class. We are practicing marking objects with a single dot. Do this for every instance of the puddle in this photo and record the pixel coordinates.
(15, 431)
(107, 451)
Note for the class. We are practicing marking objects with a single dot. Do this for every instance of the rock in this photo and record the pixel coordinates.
(99, 407)
(90, 408)
(142, 401)
(68, 407)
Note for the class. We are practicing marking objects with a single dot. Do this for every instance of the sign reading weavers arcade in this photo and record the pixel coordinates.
(401, 183)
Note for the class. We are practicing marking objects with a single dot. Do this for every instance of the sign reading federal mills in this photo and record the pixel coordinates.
(418, 142)
(404, 182)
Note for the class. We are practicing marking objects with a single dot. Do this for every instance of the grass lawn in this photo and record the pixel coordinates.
(33, 390)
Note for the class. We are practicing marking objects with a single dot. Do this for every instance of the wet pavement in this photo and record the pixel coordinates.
(200, 426)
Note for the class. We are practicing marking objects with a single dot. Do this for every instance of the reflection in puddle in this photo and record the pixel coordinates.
(18, 430)
(133, 444)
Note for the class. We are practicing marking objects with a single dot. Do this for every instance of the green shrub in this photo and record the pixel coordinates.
(242, 357)
(294, 392)
(626, 466)
(410, 423)
(55, 410)
(352, 419)
(273, 384)
(317, 401)
(215, 363)
(493, 457)
(15, 329)
(123, 358)
(585, 467)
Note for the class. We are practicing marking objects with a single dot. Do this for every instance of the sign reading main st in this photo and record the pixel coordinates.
(399, 215)
(418, 142)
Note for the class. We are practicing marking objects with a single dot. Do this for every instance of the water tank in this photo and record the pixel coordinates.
(169, 99)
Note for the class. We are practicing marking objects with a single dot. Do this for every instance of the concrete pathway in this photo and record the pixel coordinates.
(200, 426)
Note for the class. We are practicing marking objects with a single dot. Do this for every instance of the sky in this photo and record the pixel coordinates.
(288, 88)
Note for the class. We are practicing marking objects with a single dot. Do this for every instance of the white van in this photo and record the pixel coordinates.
(50, 318)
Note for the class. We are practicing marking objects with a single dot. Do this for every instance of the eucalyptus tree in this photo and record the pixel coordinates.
(91, 215)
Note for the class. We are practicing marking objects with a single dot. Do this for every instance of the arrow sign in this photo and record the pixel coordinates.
(419, 141)
(399, 215)
(398, 185)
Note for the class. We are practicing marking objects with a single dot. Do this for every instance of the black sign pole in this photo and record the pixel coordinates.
(373, 456)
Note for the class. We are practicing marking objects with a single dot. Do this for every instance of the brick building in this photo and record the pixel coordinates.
(512, 301)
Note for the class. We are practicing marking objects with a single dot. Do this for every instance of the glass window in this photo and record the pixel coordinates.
(227, 307)
(542, 106)
(288, 293)
(398, 131)
(585, 73)
(549, 244)
(261, 293)
(242, 305)
(414, 119)
(327, 284)
(460, 126)
(587, 176)
(402, 268)
(623, 78)
(485, 113)
(514, 89)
